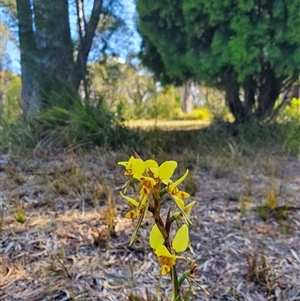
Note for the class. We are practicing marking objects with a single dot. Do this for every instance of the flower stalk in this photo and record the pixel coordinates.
(155, 181)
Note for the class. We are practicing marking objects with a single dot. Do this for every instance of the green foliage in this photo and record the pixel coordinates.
(124, 86)
(241, 45)
(12, 97)
(19, 214)
(10, 7)
(131, 91)
(291, 112)
(259, 133)
(164, 43)
(83, 124)
(163, 104)
(292, 142)
(18, 135)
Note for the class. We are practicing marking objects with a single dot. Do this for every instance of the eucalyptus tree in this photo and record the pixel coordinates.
(49, 62)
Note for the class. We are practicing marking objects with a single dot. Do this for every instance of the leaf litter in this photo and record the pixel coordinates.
(64, 250)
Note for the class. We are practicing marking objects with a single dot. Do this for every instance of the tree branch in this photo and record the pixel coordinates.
(288, 83)
(87, 39)
(81, 29)
(287, 86)
(30, 102)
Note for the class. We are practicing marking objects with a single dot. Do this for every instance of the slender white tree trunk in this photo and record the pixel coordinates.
(188, 98)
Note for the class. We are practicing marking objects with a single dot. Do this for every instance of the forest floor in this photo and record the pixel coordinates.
(73, 244)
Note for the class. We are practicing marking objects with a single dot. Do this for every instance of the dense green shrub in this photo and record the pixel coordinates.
(82, 124)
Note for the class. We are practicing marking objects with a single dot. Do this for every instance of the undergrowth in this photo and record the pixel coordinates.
(86, 125)
(81, 125)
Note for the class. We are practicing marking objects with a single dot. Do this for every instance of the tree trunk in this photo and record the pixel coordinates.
(269, 91)
(234, 103)
(31, 103)
(1, 90)
(293, 92)
(249, 95)
(188, 98)
(50, 74)
(54, 48)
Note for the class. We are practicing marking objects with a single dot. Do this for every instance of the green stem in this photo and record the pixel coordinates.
(176, 288)
(181, 279)
(163, 192)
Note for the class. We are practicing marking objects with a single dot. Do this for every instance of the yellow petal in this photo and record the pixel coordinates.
(166, 169)
(128, 164)
(154, 170)
(182, 194)
(188, 208)
(156, 238)
(151, 163)
(147, 181)
(163, 251)
(145, 190)
(130, 200)
(176, 214)
(138, 166)
(147, 185)
(179, 202)
(138, 224)
(143, 199)
(181, 239)
(131, 214)
(123, 163)
(180, 205)
(165, 269)
(177, 182)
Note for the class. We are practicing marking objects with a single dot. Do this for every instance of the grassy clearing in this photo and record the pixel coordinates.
(166, 124)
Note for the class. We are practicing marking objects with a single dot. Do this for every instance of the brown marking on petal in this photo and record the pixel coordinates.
(128, 172)
(174, 191)
(165, 269)
(131, 214)
(166, 261)
(183, 195)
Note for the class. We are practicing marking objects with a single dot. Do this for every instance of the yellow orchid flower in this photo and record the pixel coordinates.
(165, 171)
(133, 166)
(186, 209)
(165, 258)
(181, 205)
(173, 185)
(174, 191)
(179, 195)
(179, 244)
(139, 206)
(147, 184)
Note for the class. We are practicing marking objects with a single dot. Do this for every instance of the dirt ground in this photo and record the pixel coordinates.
(74, 242)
